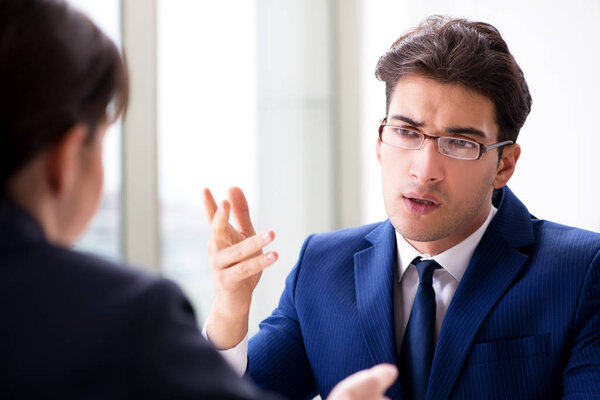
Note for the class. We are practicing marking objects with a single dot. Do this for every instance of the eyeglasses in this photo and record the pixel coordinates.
(454, 147)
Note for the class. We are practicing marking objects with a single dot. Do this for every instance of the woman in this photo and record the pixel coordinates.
(73, 325)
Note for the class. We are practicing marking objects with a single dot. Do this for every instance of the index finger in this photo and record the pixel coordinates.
(210, 205)
(218, 227)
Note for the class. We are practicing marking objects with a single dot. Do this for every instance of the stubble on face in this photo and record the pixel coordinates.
(450, 219)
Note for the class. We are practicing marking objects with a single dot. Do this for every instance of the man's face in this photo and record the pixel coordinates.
(433, 200)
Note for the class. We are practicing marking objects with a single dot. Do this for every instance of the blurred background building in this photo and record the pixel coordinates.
(279, 97)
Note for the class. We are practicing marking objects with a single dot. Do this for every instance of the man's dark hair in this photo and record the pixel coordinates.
(472, 54)
(57, 69)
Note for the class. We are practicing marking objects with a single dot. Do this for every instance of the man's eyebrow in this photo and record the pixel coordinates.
(407, 120)
(455, 130)
(458, 130)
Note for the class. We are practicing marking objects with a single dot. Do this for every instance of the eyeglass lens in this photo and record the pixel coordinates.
(449, 146)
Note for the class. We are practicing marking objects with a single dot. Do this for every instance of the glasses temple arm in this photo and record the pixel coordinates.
(496, 145)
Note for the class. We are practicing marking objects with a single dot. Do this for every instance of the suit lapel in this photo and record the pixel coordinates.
(374, 279)
(482, 286)
(494, 266)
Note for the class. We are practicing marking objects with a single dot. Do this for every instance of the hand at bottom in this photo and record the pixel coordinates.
(368, 384)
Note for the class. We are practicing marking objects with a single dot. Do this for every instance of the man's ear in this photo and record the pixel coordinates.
(507, 164)
(63, 159)
(378, 144)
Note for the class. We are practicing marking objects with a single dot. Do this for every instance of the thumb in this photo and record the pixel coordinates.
(385, 374)
(369, 384)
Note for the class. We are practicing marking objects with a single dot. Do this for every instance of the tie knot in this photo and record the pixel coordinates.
(425, 269)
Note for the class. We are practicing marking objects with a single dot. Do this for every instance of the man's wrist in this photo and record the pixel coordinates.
(237, 356)
(225, 332)
(230, 309)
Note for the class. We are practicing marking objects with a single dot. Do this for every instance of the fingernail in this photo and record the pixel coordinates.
(391, 371)
(270, 256)
(266, 237)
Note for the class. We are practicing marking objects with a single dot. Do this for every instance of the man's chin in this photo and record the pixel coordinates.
(424, 233)
(422, 237)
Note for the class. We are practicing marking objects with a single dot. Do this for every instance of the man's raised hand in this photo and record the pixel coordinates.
(236, 261)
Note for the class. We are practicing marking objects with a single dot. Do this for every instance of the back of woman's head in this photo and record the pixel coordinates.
(57, 69)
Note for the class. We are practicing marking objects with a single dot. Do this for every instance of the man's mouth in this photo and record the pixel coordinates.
(420, 201)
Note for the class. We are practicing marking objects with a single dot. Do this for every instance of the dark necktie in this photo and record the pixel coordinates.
(416, 354)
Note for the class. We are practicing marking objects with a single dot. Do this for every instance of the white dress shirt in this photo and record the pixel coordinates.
(237, 356)
(453, 261)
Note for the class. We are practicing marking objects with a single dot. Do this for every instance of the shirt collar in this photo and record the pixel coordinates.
(455, 260)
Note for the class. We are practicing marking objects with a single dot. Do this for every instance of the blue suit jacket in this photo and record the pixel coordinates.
(524, 322)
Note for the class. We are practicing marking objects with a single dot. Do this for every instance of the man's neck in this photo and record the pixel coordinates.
(454, 259)
(438, 246)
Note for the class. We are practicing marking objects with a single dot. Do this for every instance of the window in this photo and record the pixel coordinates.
(245, 98)
(207, 106)
(103, 236)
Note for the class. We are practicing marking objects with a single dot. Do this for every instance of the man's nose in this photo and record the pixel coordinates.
(427, 163)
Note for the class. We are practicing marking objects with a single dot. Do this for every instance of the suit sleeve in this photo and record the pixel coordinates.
(277, 357)
(174, 360)
(581, 377)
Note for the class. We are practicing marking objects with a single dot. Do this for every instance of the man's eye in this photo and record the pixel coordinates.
(405, 133)
(463, 144)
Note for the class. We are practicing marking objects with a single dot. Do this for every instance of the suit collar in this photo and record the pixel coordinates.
(17, 225)
(496, 263)
(513, 221)
(382, 231)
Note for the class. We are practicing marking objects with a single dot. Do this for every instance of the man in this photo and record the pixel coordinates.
(469, 294)
(75, 326)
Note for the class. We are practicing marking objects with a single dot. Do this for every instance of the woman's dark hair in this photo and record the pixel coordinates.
(57, 69)
(472, 54)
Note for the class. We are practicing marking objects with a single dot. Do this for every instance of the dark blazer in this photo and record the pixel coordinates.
(524, 322)
(75, 326)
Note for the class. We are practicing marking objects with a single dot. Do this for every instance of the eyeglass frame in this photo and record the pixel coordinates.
(482, 147)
